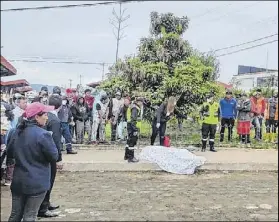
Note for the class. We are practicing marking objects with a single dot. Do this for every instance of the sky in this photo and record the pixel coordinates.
(85, 34)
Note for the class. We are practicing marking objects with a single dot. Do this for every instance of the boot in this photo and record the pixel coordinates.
(131, 157)
(211, 145)
(221, 137)
(126, 155)
(203, 145)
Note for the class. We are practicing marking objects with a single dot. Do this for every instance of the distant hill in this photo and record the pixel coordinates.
(38, 87)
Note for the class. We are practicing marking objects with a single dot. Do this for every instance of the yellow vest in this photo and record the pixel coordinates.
(213, 113)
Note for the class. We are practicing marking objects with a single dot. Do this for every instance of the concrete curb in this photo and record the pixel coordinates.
(89, 166)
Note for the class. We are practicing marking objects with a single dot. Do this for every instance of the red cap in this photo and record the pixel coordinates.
(35, 108)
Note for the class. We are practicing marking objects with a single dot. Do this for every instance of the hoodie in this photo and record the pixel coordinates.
(80, 111)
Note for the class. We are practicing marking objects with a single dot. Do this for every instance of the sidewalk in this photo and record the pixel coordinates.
(223, 160)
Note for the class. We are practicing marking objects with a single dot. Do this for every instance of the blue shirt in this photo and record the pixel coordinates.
(228, 108)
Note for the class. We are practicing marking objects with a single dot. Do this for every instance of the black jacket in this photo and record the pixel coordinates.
(161, 114)
(54, 125)
(80, 111)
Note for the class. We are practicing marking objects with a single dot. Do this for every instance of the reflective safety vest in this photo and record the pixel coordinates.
(129, 113)
(211, 116)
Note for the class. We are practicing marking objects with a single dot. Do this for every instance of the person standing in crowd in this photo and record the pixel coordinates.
(53, 125)
(210, 115)
(89, 100)
(43, 96)
(228, 114)
(258, 106)
(65, 116)
(163, 115)
(100, 117)
(122, 119)
(81, 114)
(244, 119)
(31, 178)
(133, 116)
(271, 118)
(56, 91)
(20, 106)
(116, 104)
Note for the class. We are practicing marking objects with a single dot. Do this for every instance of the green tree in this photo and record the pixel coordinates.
(166, 65)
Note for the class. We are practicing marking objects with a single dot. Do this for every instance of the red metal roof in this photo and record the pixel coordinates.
(225, 85)
(16, 83)
(8, 69)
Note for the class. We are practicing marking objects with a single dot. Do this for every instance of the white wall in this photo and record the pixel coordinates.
(250, 80)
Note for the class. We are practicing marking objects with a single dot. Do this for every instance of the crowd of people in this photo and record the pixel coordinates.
(43, 125)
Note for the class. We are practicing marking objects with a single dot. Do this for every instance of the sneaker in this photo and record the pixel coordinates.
(134, 160)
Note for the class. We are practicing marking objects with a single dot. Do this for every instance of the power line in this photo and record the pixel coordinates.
(240, 50)
(64, 6)
(209, 11)
(59, 62)
(244, 43)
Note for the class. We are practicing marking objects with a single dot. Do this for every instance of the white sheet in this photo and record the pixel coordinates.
(173, 160)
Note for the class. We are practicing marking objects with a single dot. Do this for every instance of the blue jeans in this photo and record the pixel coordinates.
(25, 207)
(67, 135)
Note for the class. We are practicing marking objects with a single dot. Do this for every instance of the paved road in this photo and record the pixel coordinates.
(93, 196)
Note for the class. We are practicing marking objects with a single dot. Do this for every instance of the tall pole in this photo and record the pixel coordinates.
(70, 80)
(80, 76)
(266, 68)
(103, 71)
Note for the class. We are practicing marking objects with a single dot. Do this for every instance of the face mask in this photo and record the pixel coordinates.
(44, 99)
(64, 102)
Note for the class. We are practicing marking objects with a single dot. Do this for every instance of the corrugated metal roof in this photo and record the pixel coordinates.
(21, 82)
(8, 69)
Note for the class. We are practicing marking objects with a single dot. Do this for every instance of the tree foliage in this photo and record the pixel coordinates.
(165, 65)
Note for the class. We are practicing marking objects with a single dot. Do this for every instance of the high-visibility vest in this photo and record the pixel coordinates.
(212, 117)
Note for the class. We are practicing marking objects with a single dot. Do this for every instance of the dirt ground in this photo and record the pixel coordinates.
(162, 197)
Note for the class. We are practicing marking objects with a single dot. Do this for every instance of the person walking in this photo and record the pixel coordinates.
(271, 118)
(133, 116)
(31, 179)
(228, 114)
(210, 115)
(244, 119)
(163, 115)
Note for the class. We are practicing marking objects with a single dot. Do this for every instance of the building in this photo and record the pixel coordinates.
(225, 85)
(251, 77)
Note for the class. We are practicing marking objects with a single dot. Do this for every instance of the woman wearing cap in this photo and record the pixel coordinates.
(31, 178)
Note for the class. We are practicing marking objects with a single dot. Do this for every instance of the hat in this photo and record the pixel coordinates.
(35, 108)
(118, 93)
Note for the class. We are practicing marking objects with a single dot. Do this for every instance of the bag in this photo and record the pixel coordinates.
(167, 141)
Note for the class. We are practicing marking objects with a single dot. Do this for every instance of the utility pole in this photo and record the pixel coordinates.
(103, 71)
(117, 23)
(70, 80)
(80, 76)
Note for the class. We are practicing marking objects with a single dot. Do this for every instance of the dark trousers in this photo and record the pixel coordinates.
(155, 131)
(131, 142)
(67, 135)
(25, 207)
(113, 131)
(257, 123)
(271, 125)
(46, 202)
(208, 130)
(226, 122)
